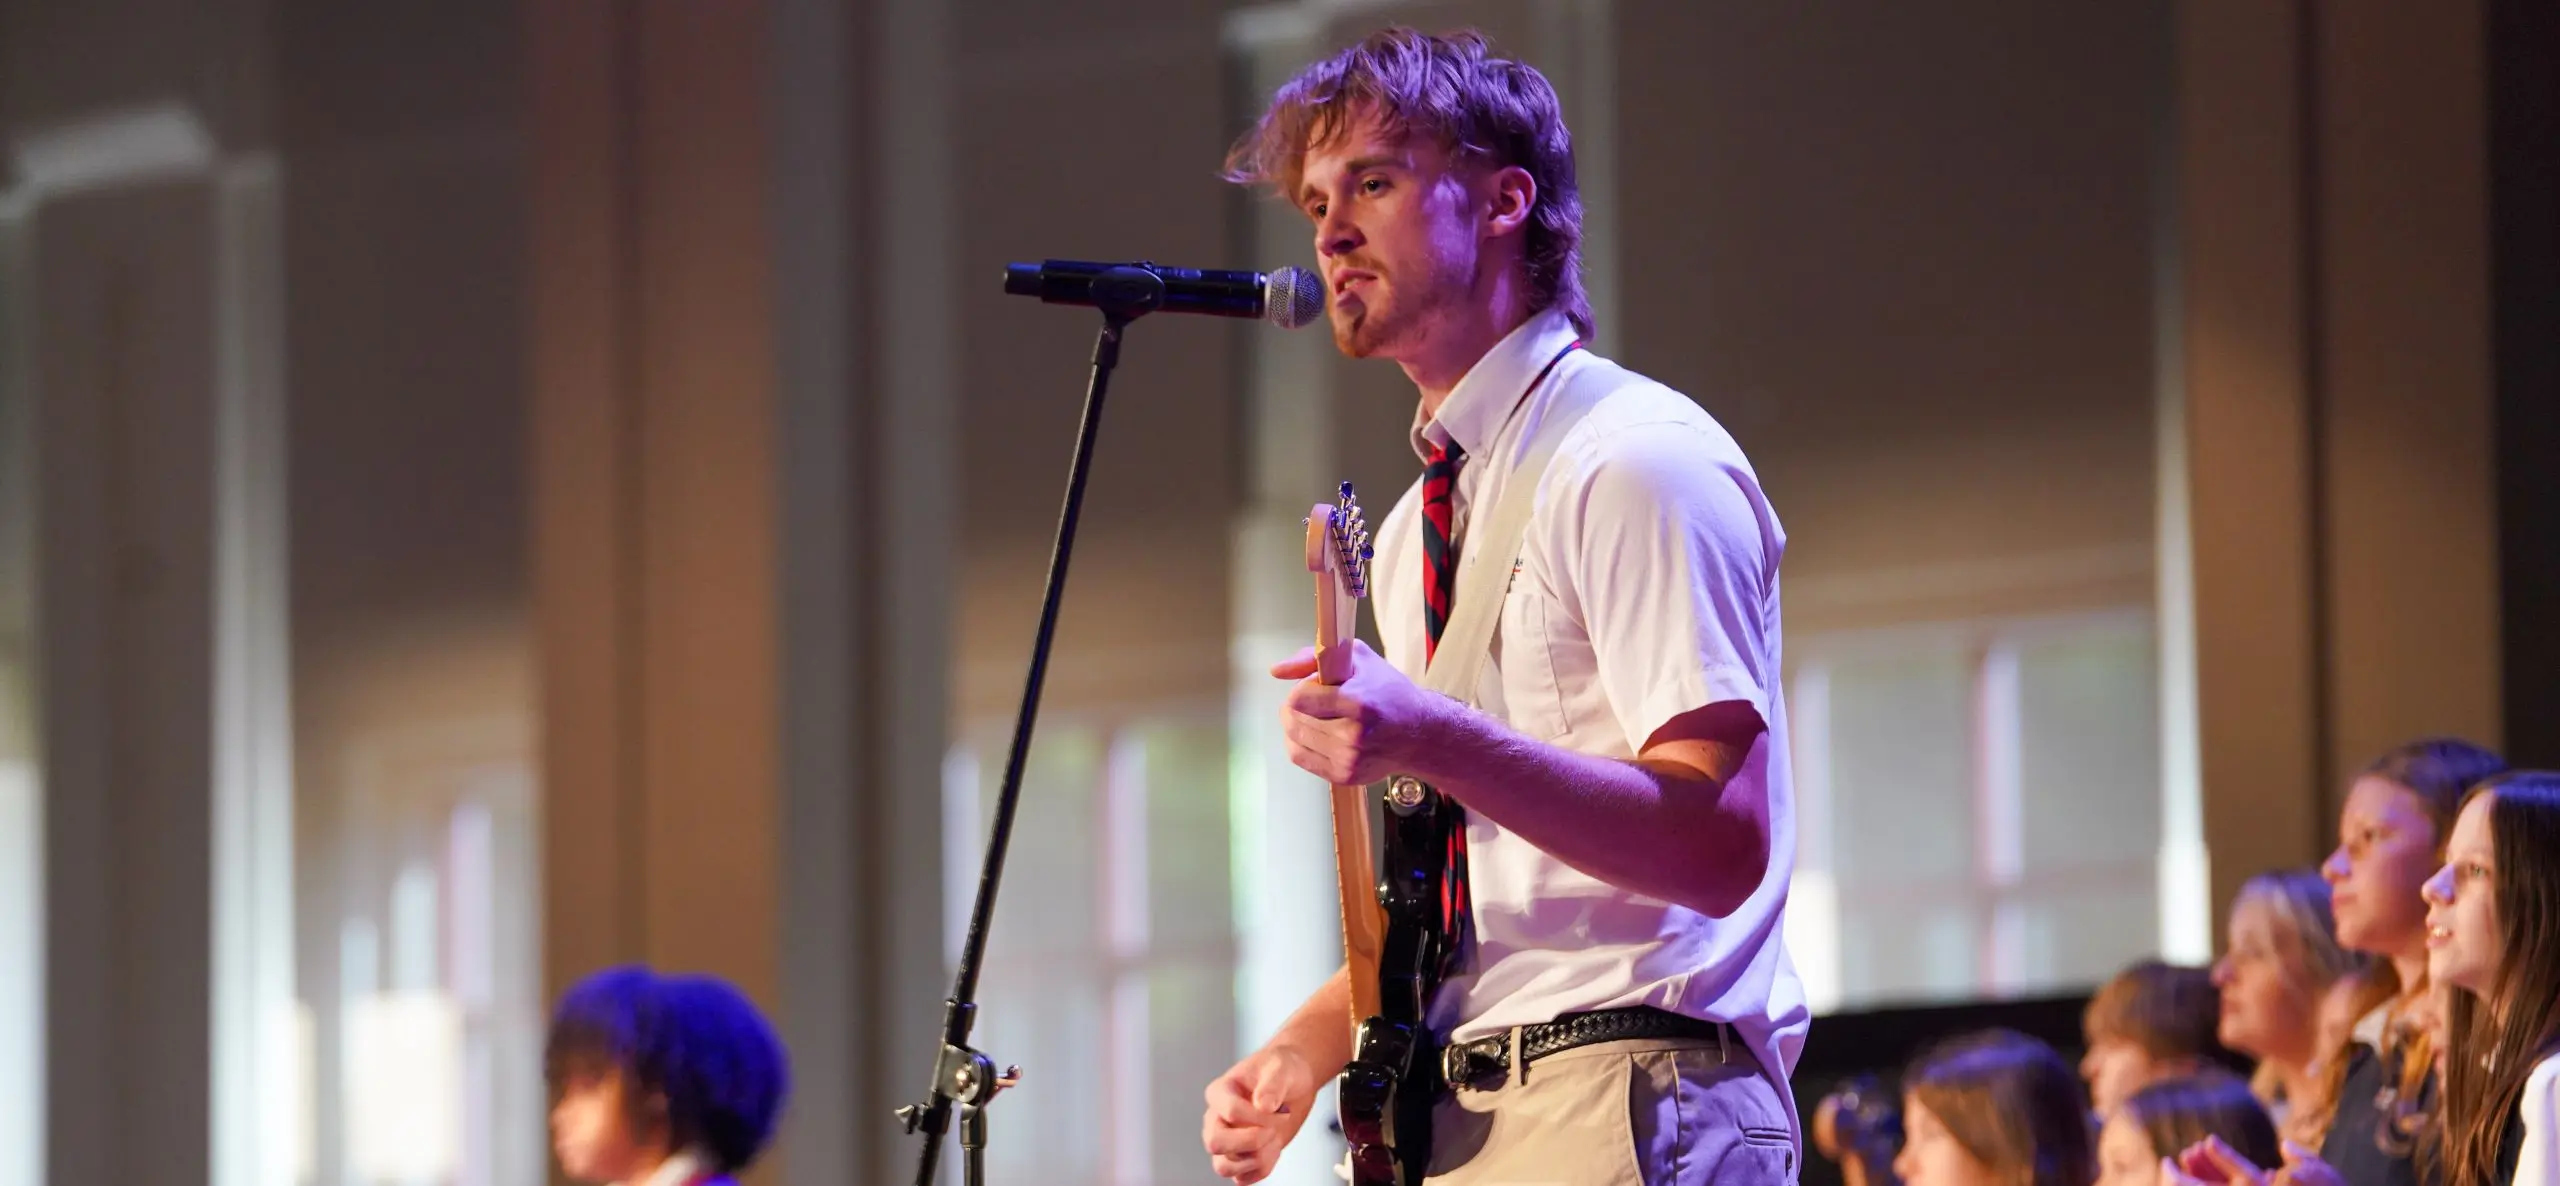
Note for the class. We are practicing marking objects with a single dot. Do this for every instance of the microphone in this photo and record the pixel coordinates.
(1288, 298)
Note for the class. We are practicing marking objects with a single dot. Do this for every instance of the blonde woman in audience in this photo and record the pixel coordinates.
(2153, 1021)
(2280, 968)
(2493, 941)
(1996, 1108)
(2165, 1117)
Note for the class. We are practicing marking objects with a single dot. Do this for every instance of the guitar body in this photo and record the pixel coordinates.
(1393, 938)
(1393, 1082)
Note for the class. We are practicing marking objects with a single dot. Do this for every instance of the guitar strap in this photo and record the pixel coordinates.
(1580, 381)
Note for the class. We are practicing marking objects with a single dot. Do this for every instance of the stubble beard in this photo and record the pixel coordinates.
(1381, 328)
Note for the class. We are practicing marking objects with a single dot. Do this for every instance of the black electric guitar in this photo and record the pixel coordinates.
(1392, 932)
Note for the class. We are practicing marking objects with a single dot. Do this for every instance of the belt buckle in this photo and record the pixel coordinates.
(1463, 1065)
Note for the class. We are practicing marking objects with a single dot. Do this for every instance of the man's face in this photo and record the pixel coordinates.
(1397, 234)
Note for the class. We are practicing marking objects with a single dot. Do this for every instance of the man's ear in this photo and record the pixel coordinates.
(1513, 195)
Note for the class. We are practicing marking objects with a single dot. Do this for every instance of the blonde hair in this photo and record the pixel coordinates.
(1485, 109)
(2304, 935)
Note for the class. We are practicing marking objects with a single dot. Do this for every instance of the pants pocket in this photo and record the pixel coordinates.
(1697, 1121)
(1566, 1125)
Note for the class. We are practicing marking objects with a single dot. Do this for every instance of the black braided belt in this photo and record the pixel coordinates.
(1485, 1064)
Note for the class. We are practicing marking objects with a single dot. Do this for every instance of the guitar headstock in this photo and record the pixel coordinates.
(1338, 552)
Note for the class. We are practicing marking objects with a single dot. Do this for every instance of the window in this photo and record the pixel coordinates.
(1980, 808)
(420, 962)
(1111, 969)
(21, 815)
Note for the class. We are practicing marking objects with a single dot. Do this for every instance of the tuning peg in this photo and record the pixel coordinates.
(1346, 489)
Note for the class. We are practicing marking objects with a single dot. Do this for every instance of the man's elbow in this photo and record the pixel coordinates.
(1734, 865)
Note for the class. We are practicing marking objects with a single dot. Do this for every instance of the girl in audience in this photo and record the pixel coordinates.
(2394, 824)
(2493, 939)
(2282, 963)
(1996, 1108)
(2165, 1117)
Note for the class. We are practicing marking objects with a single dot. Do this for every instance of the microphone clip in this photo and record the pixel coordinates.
(1128, 292)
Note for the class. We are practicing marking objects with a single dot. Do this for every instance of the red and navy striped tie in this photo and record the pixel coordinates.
(1440, 591)
(1439, 547)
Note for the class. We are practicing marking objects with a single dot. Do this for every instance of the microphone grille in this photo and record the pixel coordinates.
(1292, 297)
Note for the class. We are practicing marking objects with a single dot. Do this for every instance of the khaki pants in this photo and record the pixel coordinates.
(1646, 1112)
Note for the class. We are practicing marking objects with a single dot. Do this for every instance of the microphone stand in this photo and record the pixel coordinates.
(964, 1078)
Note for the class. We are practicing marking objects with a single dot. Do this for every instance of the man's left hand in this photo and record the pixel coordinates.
(1371, 725)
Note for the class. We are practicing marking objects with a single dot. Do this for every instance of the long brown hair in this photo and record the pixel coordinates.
(2012, 1103)
(2497, 1042)
(1486, 110)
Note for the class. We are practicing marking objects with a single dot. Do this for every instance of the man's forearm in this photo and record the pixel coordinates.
(1655, 828)
(1320, 1031)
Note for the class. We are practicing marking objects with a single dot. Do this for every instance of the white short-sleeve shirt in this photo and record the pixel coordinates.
(1646, 587)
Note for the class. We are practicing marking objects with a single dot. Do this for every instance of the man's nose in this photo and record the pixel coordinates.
(1335, 235)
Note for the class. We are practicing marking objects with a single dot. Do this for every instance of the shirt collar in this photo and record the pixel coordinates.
(2372, 1028)
(1492, 389)
(684, 1167)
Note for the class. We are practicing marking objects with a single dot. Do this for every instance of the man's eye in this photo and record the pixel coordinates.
(1373, 185)
(1316, 211)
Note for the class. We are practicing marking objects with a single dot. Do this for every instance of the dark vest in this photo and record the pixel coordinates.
(2355, 1146)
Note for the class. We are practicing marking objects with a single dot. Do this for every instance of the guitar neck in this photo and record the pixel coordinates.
(1364, 924)
(1338, 555)
(1355, 863)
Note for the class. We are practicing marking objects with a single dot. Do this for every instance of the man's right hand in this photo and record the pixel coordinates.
(1254, 1110)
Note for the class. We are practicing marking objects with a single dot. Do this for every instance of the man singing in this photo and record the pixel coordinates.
(1623, 769)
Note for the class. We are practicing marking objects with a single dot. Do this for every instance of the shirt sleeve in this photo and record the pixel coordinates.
(2538, 1162)
(1671, 552)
